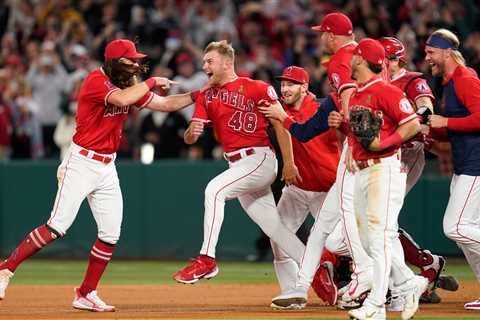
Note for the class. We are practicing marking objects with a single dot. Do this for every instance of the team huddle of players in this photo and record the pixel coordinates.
(355, 191)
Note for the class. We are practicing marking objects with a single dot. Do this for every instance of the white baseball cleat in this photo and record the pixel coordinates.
(355, 289)
(367, 312)
(90, 302)
(343, 305)
(5, 276)
(474, 305)
(395, 304)
(412, 298)
(294, 299)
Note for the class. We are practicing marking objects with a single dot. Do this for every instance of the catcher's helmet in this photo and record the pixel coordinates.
(394, 48)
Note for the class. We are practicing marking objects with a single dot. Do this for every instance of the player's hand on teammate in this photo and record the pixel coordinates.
(164, 83)
(290, 174)
(335, 119)
(272, 111)
(436, 121)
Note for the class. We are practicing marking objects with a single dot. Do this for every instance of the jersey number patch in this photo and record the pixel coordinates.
(243, 121)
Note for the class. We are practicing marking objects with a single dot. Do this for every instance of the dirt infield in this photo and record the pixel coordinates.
(201, 301)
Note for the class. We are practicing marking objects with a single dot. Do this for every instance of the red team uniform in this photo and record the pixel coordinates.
(321, 154)
(232, 112)
(242, 131)
(379, 191)
(339, 70)
(87, 171)
(414, 86)
(395, 108)
(99, 124)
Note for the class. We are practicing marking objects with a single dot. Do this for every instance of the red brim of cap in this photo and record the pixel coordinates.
(280, 78)
(318, 28)
(136, 56)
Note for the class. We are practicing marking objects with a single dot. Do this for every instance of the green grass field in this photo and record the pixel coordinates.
(68, 272)
(160, 272)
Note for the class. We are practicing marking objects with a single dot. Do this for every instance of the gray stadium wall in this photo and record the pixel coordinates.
(163, 211)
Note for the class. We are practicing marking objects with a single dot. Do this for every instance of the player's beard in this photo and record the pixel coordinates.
(124, 75)
(437, 70)
(293, 98)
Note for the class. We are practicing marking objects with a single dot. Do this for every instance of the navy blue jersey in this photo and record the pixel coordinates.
(461, 105)
(317, 124)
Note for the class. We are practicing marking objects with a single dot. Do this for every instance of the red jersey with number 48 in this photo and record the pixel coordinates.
(232, 111)
(378, 95)
(99, 124)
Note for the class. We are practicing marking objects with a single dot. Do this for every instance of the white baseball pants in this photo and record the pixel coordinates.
(337, 211)
(249, 180)
(461, 221)
(80, 177)
(379, 195)
(293, 208)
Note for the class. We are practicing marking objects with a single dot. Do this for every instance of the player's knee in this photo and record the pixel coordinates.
(450, 230)
(213, 192)
(57, 231)
(110, 237)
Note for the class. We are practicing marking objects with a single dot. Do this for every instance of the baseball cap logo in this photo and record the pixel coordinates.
(288, 71)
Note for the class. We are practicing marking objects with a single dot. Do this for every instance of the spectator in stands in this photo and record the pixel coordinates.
(188, 79)
(47, 78)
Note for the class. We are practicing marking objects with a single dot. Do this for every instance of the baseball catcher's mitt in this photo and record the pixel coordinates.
(365, 124)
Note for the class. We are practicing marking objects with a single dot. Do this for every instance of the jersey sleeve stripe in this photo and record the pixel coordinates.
(408, 119)
(425, 95)
(346, 86)
(150, 98)
(201, 120)
(108, 95)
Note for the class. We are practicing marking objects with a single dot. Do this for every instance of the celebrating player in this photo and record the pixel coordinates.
(380, 182)
(230, 105)
(88, 170)
(337, 37)
(460, 117)
(321, 154)
(420, 95)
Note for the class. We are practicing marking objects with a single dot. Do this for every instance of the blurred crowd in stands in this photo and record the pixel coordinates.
(48, 47)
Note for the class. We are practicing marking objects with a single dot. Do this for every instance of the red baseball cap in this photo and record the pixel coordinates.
(183, 57)
(122, 48)
(370, 50)
(336, 23)
(294, 74)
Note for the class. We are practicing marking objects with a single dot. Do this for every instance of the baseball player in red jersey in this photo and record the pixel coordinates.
(418, 92)
(380, 182)
(460, 114)
(88, 170)
(337, 37)
(320, 154)
(230, 106)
